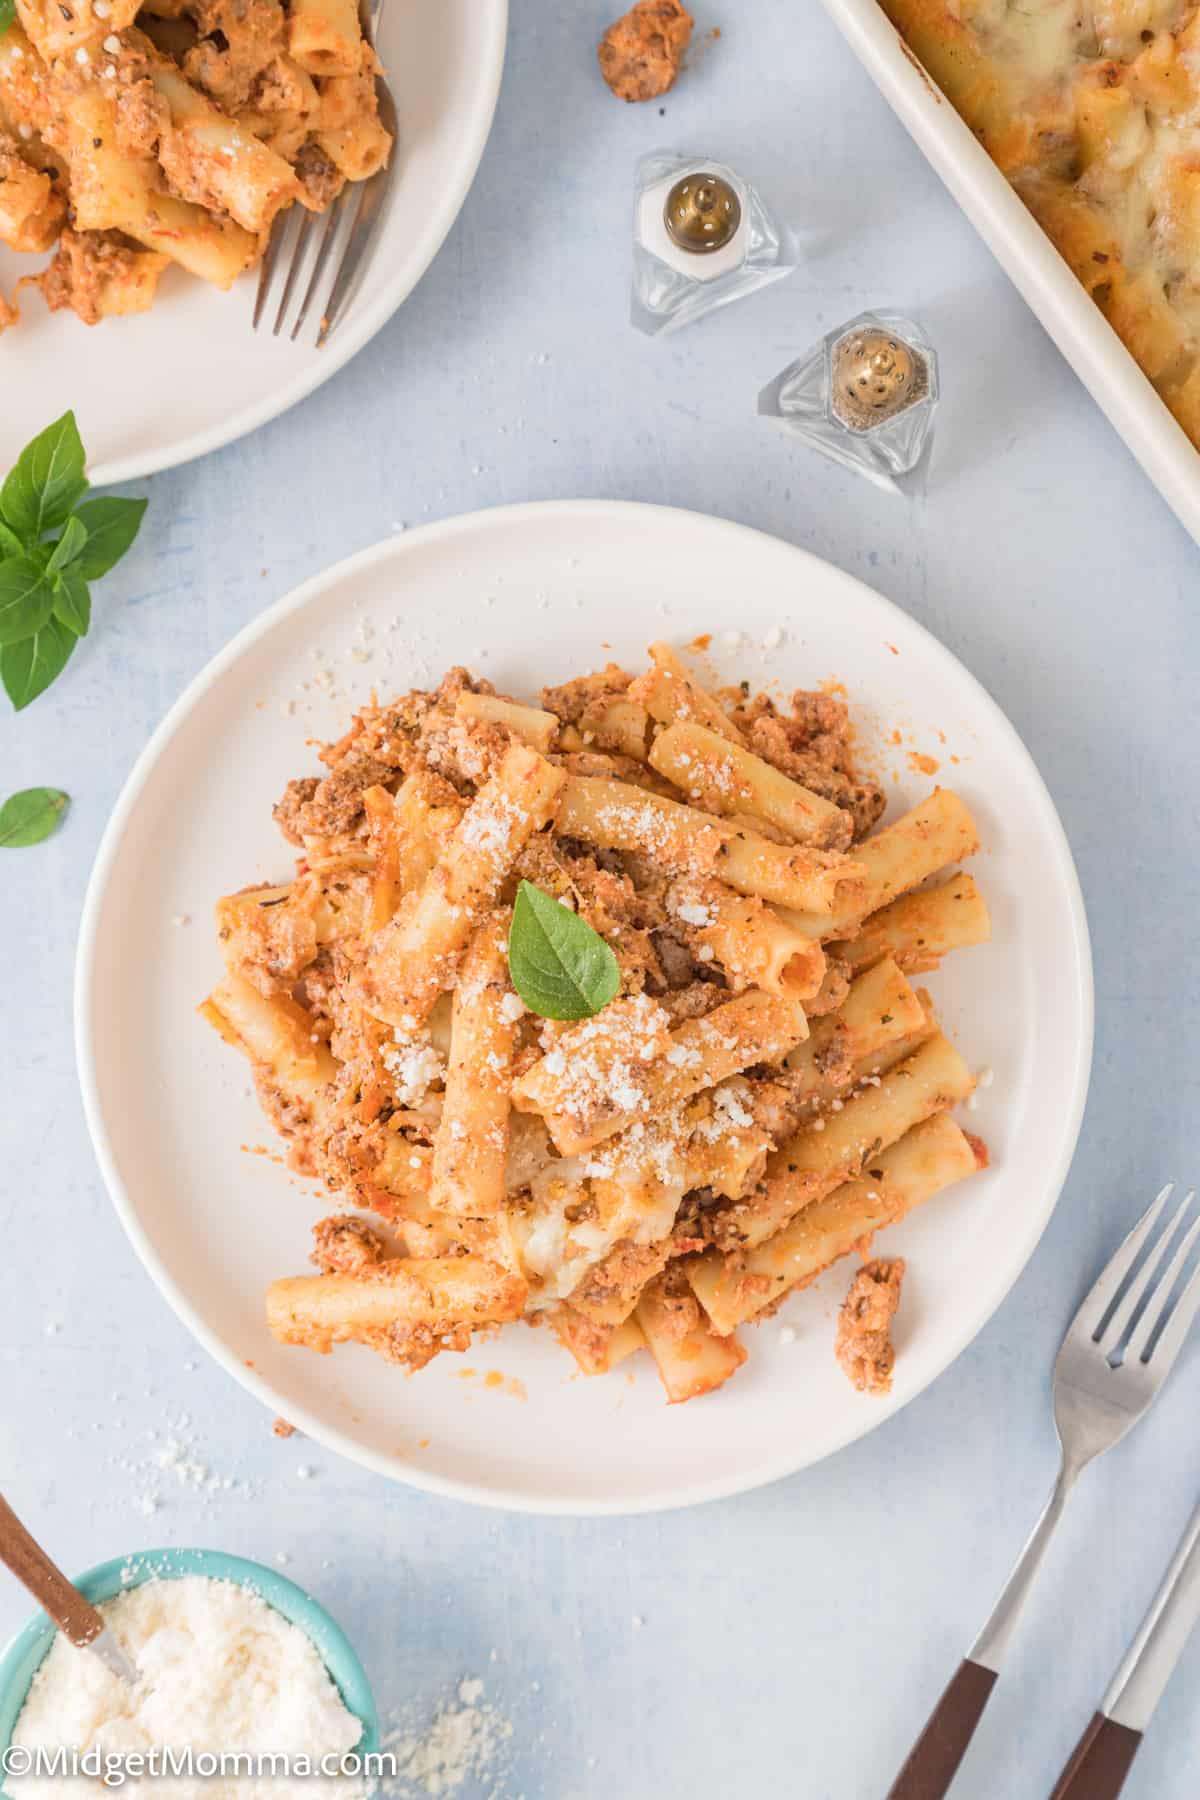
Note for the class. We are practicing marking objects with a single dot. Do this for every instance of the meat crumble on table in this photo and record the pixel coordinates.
(641, 52)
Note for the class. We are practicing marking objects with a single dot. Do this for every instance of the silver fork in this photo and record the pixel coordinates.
(360, 202)
(1112, 1364)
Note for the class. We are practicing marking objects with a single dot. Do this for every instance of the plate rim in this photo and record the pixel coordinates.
(791, 1460)
(364, 322)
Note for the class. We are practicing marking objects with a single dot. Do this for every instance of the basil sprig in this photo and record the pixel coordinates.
(8, 12)
(28, 817)
(53, 542)
(561, 968)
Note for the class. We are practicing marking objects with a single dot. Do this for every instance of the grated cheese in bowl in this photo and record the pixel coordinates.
(221, 1672)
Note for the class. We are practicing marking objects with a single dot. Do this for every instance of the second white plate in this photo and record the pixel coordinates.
(528, 595)
(191, 375)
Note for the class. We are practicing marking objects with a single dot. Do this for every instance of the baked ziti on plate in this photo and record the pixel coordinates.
(145, 151)
(609, 994)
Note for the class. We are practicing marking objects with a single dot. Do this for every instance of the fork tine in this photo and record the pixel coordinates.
(361, 233)
(267, 271)
(1100, 1297)
(333, 217)
(1180, 1323)
(1119, 1323)
(298, 249)
(1156, 1306)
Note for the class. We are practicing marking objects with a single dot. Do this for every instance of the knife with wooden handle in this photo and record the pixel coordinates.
(1105, 1752)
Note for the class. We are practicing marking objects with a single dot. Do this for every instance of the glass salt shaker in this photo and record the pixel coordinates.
(702, 237)
(865, 395)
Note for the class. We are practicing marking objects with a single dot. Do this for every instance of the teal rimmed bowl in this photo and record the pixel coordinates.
(24, 1656)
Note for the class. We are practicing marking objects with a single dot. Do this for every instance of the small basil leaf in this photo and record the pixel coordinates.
(26, 598)
(28, 817)
(561, 968)
(28, 668)
(46, 482)
(68, 545)
(111, 525)
(72, 602)
(8, 12)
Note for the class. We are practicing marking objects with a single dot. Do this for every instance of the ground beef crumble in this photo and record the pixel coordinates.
(85, 265)
(640, 54)
(863, 1346)
(346, 1245)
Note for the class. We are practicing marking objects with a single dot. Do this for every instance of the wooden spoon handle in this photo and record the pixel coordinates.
(75, 1617)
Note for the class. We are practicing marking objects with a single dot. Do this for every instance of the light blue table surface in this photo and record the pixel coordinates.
(791, 1641)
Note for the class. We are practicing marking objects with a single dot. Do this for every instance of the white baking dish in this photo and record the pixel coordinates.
(1070, 316)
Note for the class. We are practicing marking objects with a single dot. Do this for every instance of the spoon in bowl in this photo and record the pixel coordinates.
(78, 1620)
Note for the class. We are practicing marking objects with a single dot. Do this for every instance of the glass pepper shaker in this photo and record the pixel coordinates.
(865, 395)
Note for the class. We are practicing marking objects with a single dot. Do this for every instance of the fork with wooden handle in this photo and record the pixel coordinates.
(1105, 1752)
(1095, 1404)
(75, 1616)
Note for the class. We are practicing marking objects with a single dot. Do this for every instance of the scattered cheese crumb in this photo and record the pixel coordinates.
(773, 638)
(463, 1741)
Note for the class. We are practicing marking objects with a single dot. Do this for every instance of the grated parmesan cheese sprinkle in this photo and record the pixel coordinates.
(463, 1741)
(413, 1064)
(186, 1637)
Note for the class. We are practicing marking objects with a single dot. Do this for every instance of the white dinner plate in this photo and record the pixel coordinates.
(527, 595)
(190, 375)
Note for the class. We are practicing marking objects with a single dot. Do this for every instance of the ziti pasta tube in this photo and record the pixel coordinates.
(401, 1309)
(732, 1289)
(416, 954)
(834, 1146)
(723, 777)
(603, 1075)
(934, 834)
(919, 929)
(618, 816)
(470, 1150)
